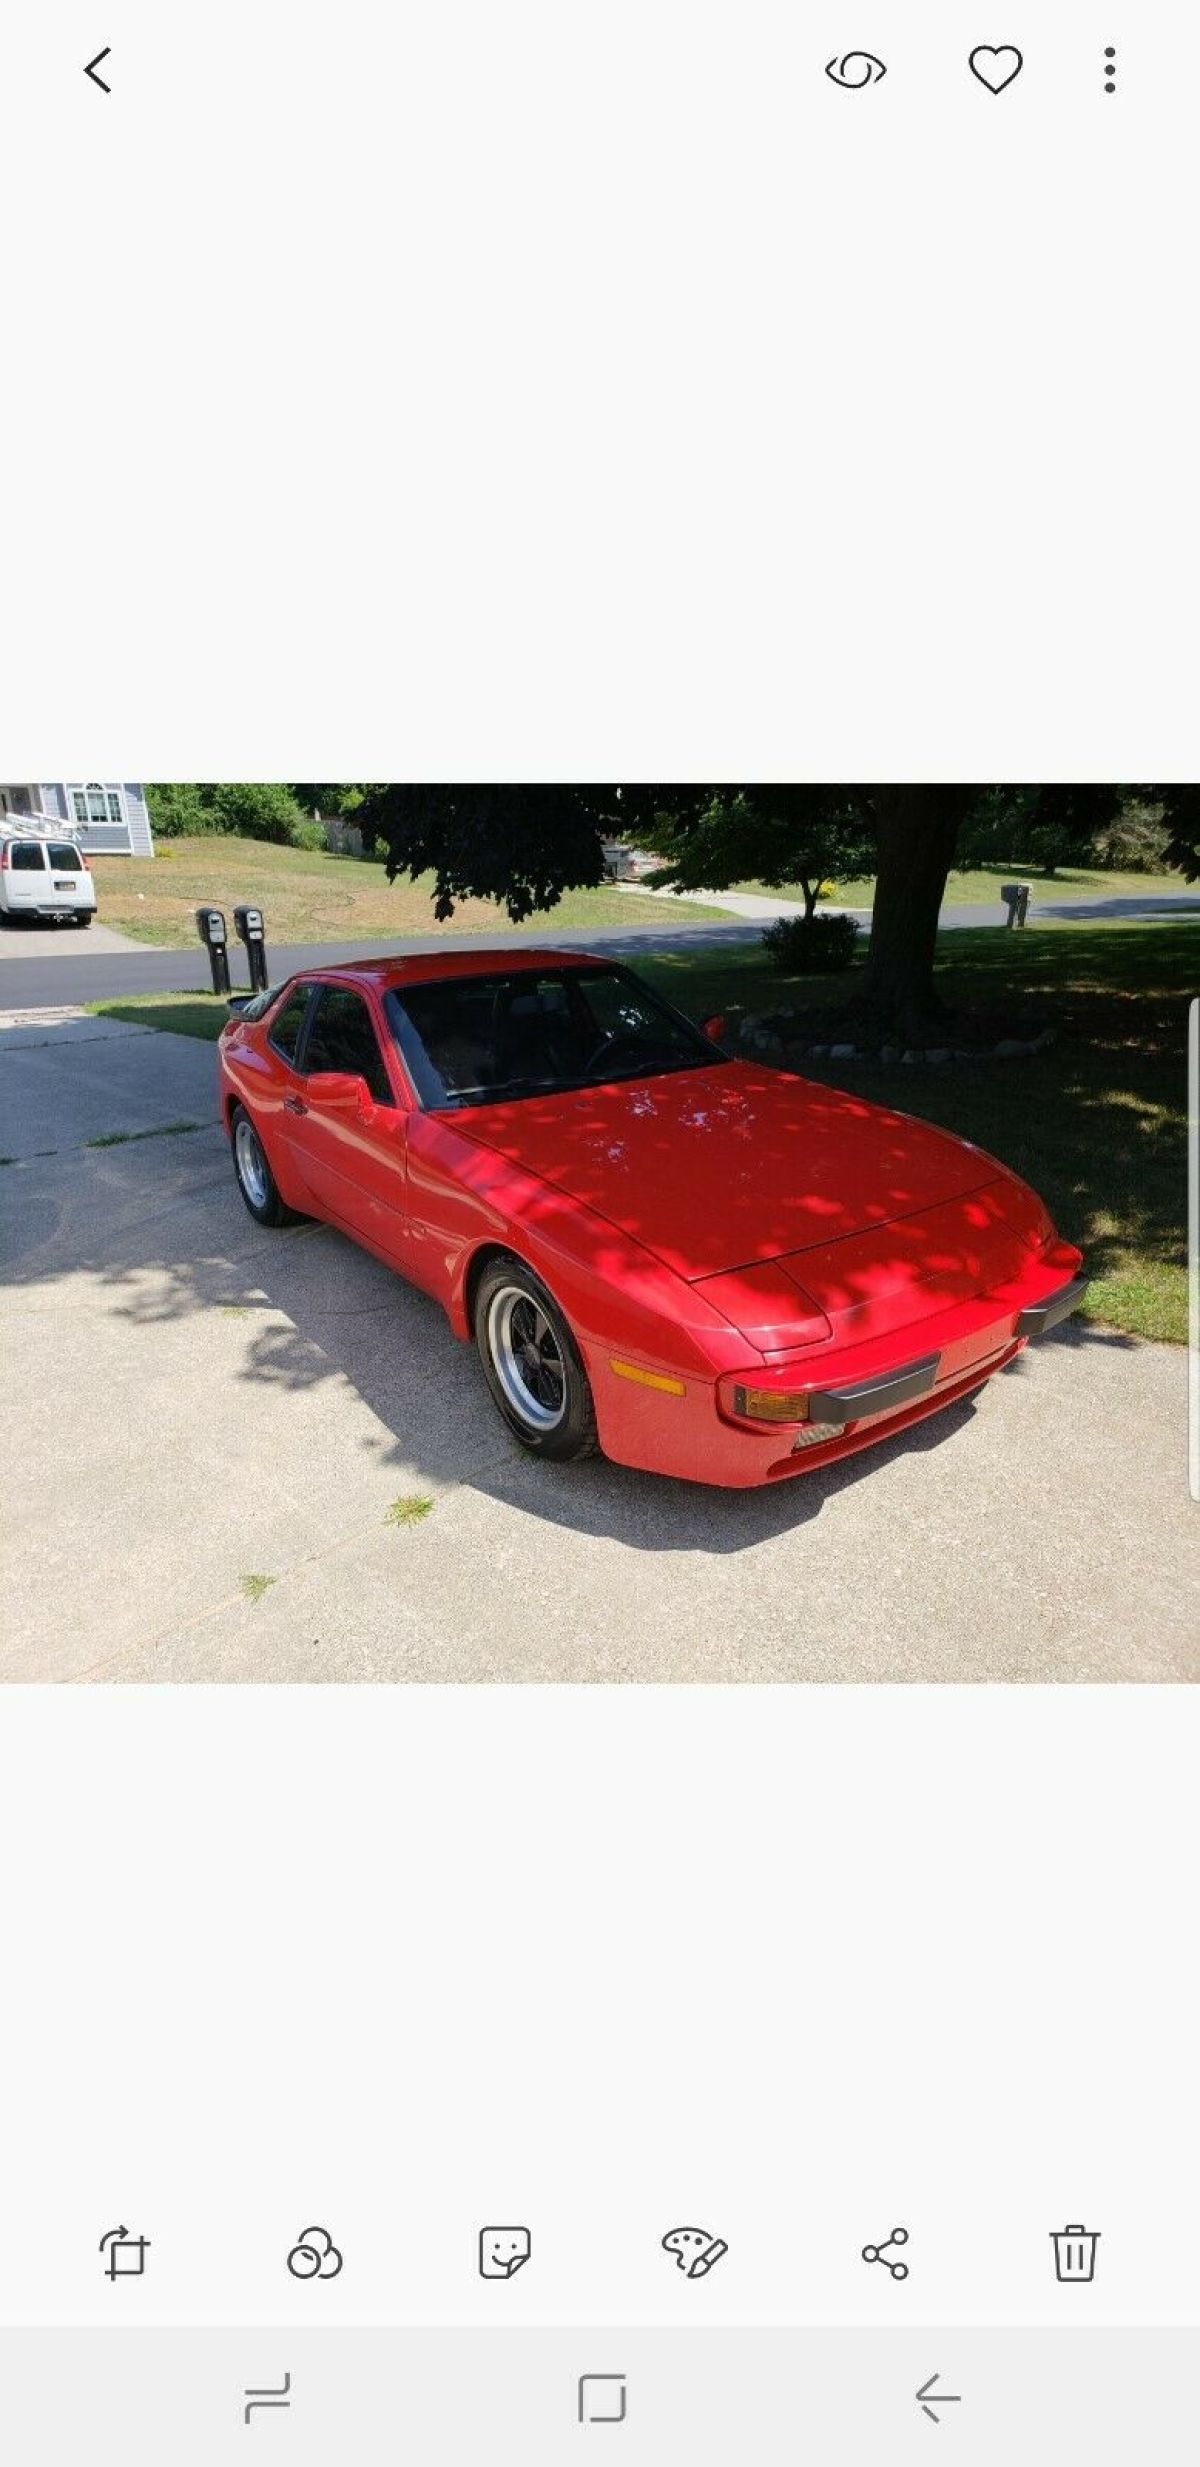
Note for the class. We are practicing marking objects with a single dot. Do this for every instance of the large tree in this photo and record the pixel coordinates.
(524, 847)
(790, 838)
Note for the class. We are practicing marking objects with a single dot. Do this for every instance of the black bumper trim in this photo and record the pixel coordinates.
(883, 1395)
(1042, 1315)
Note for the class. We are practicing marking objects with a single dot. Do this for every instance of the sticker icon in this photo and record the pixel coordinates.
(503, 2251)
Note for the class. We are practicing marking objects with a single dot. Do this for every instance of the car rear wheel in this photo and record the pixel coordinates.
(531, 1363)
(255, 1180)
(84, 918)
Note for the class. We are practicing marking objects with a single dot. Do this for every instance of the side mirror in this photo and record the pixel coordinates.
(341, 1091)
(716, 1027)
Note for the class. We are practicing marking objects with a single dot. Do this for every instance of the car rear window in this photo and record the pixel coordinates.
(27, 857)
(64, 858)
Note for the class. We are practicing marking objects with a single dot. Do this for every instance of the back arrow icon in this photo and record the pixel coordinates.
(93, 65)
(929, 2399)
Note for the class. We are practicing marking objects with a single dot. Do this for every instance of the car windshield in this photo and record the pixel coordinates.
(481, 1040)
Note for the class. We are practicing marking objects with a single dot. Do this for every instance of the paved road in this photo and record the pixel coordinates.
(190, 1402)
(51, 968)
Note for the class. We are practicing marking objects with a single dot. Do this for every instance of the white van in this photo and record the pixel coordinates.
(43, 876)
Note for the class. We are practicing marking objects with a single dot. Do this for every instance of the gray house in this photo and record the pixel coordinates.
(109, 818)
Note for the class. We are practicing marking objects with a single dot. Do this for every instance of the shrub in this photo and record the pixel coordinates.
(256, 809)
(816, 945)
(178, 811)
(1136, 842)
(308, 833)
(253, 809)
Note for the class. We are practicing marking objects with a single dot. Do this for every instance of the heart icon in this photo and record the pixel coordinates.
(996, 65)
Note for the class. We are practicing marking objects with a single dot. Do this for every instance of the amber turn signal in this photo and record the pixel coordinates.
(647, 1379)
(771, 1404)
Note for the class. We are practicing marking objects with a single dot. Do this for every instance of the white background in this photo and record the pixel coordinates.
(793, 1965)
(598, 392)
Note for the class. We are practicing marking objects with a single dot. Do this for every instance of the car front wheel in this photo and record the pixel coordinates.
(255, 1180)
(531, 1363)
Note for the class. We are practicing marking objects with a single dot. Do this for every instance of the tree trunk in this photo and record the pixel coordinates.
(917, 831)
(812, 892)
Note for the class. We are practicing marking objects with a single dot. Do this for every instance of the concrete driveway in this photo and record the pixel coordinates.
(25, 942)
(205, 1430)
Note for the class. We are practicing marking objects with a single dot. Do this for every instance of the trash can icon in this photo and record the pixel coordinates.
(1075, 2254)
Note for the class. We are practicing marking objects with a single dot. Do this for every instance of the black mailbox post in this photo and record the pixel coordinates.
(248, 924)
(210, 925)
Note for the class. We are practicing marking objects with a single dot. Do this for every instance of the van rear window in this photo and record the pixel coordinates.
(64, 858)
(27, 857)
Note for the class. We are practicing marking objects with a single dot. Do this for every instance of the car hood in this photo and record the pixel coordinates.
(718, 1169)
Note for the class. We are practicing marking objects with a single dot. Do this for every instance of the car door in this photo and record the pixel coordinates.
(351, 1156)
(28, 882)
(274, 1089)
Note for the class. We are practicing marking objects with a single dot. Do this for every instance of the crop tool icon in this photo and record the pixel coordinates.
(126, 2254)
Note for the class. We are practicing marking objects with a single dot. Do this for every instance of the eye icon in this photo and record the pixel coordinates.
(856, 68)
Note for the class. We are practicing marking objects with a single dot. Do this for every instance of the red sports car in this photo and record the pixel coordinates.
(704, 1267)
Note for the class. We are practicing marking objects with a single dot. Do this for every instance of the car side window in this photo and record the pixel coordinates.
(342, 1038)
(284, 1031)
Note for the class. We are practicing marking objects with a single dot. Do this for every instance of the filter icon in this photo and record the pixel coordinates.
(1075, 2254)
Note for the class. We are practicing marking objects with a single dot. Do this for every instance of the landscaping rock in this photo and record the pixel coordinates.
(937, 1053)
(842, 1053)
(889, 1053)
(1009, 1047)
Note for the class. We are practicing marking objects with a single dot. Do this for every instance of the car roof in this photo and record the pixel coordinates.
(421, 967)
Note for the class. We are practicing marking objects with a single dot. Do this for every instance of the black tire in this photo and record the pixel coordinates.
(85, 919)
(253, 1175)
(531, 1363)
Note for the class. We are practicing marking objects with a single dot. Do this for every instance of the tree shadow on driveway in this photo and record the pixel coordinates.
(156, 1236)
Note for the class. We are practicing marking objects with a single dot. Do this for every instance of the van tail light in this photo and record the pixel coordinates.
(3, 856)
(86, 862)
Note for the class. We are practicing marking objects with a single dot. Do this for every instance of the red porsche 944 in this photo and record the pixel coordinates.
(701, 1266)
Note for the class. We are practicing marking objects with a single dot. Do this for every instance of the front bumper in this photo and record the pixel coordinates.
(877, 1390)
(1037, 1317)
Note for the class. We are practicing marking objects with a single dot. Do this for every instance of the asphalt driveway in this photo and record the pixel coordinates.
(218, 1445)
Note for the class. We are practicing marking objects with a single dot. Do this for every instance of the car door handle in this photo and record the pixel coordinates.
(294, 1105)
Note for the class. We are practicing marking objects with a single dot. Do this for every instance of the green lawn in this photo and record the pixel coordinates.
(1097, 1123)
(982, 888)
(202, 1015)
(310, 896)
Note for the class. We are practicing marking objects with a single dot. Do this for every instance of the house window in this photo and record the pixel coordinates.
(95, 803)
